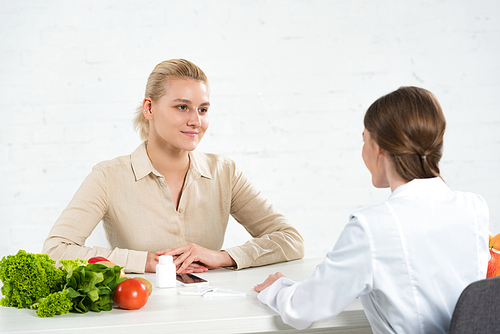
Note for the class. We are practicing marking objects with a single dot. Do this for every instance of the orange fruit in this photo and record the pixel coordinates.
(148, 284)
(495, 242)
(490, 237)
(493, 264)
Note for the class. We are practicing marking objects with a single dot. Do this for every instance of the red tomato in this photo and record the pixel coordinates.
(97, 259)
(131, 294)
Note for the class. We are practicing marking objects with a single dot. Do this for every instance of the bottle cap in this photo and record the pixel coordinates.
(166, 259)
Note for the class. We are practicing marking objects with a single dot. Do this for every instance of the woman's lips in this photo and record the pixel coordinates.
(190, 133)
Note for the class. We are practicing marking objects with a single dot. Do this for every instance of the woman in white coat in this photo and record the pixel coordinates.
(409, 258)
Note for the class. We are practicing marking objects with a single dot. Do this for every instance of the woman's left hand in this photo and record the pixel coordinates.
(194, 258)
(269, 280)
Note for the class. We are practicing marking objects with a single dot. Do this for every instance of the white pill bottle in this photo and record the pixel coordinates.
(166, 272)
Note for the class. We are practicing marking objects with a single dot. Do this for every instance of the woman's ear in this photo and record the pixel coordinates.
(383, 156)
(381, 151)
(147, 108)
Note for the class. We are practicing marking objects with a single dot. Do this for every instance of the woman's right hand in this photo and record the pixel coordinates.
(151, 262)
(195, 258)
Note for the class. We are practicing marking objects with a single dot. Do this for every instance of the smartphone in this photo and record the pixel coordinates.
(190, 279)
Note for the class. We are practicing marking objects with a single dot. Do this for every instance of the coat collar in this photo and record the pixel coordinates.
(425, 187)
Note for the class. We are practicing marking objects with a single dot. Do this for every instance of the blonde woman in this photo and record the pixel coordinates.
(167, 198)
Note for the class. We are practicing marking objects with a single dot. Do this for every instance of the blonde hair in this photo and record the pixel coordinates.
(409, 124)
(157, 85)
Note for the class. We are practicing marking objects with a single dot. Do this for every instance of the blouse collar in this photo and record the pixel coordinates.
(142, 166)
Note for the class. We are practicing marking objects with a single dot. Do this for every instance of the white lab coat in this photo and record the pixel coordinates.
(407, 259)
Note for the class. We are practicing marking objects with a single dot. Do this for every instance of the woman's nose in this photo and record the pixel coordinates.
(194, 119)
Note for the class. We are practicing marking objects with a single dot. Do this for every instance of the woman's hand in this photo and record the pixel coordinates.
(194, 258)
(193, 267)
(269, 280)
(151, 262)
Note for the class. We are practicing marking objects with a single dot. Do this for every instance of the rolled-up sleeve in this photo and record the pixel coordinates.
(66, 239)
(274, 238)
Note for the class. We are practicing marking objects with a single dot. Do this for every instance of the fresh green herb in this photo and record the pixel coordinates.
(71, 264)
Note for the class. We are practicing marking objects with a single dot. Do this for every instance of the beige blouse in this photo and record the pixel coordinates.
(133, 201)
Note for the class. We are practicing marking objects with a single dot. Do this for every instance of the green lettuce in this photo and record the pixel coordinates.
(54, 304)
(29, 277)
(91, 287)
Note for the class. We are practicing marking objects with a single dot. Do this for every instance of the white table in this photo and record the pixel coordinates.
(168, 312)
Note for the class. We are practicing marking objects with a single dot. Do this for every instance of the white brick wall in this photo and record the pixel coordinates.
(290, 81)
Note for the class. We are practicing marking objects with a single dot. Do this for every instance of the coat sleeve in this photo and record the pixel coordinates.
(274, 238)
(344, 274)
(67, 237)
